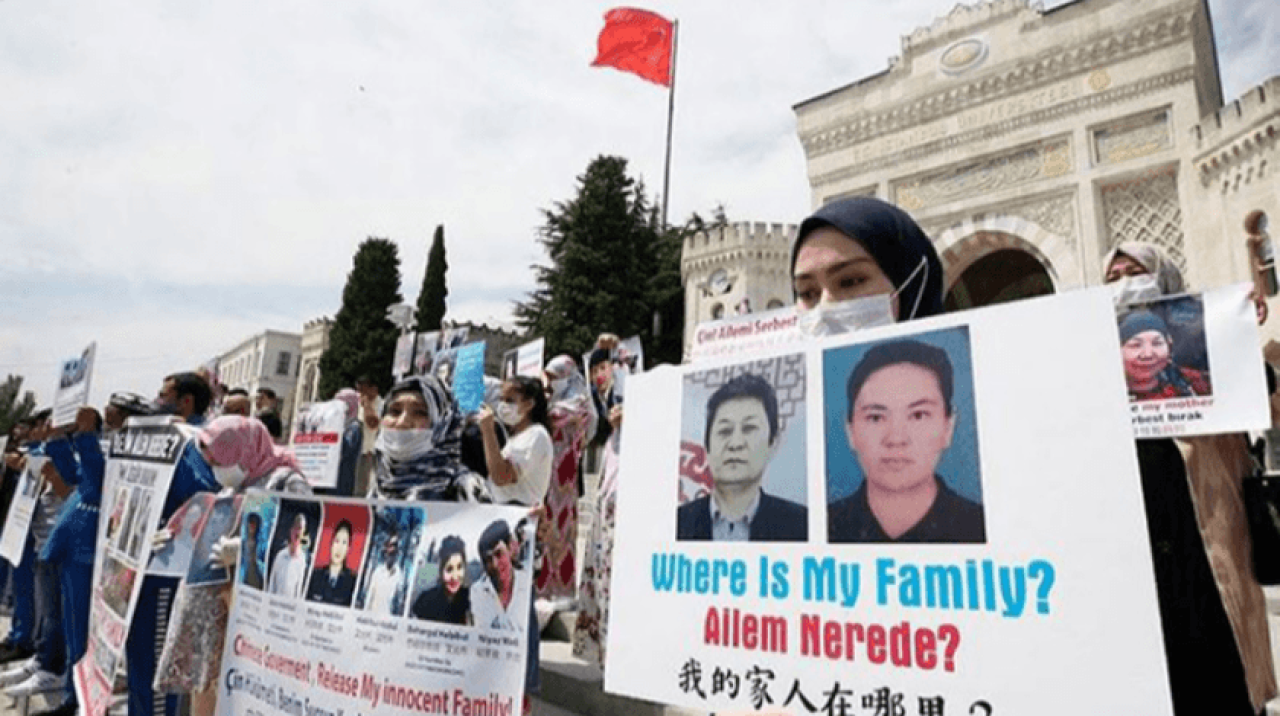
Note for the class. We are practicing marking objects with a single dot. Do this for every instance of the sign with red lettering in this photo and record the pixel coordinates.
(937, 516)
(378, 607)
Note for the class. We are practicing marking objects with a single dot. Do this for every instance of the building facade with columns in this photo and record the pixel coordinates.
(1027, 143)
(314, 342)
(269, 359)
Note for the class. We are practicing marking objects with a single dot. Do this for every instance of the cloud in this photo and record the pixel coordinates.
(175, 178)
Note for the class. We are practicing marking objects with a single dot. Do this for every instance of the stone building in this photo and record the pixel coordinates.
(315, 339)
(266, 360)
(1027, 143)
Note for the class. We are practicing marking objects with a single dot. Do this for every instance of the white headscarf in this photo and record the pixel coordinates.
(1154, 260)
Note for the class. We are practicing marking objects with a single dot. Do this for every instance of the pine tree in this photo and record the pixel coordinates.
(362, 341)
(431, 299)
(611, 268)
(14, 404)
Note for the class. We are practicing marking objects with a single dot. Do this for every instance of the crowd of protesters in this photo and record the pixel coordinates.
(527, 446)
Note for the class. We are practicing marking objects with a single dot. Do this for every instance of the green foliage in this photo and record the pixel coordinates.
(14, 403)
(612, 267)
(362, 341)
(431, 299)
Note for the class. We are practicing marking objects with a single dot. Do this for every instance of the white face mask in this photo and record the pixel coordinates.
(508, 413)
(1134, 289)
(231, 476)
(830, 319)
(401, 445)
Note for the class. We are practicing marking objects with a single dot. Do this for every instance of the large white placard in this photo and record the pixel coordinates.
(73, 386)
(529, 358)
(1032, 574)
(403, 615)
(317, 441)
(22, 508)
(141, 461)
(1192, 364)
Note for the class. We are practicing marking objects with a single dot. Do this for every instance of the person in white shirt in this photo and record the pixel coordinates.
(520, 472)
(289, 570)
(385, 579)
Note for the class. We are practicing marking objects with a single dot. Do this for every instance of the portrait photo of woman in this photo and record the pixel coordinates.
(1151, 370)
(449, 599)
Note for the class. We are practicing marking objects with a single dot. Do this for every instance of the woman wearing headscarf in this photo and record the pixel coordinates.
(449, 599)
(1146, 345)
(573, 420)
(862, 262)
(863, 248)
(417, 454)
(352, 443)
(1212, 610)
(242, 455)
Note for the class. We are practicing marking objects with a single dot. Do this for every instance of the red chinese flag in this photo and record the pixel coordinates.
(636, 41)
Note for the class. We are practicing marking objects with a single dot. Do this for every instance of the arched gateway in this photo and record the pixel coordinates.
(1003, 259)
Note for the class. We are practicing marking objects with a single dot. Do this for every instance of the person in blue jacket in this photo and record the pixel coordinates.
(186, 396)
(73, 543)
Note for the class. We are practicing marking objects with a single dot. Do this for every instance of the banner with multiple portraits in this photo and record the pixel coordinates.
(1192, 364)
(73, 385)
(926, 517)
(364, 606)
(141, 460)
(317, 441)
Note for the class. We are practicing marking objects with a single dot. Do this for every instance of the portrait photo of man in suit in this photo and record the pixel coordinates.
(741, 437)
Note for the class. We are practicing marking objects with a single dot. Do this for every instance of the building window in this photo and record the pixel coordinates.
(717, 311)
(282, 363)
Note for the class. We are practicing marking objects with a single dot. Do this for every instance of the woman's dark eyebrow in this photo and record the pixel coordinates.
(833, 268)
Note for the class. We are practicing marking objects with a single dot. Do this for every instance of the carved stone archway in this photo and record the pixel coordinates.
(964, 243)
(992, 267)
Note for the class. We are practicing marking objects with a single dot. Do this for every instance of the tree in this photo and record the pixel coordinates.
(612, 267)
(13, 409)
(431, 304)
(362, 341)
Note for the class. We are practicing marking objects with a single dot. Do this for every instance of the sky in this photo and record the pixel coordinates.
(175, 178)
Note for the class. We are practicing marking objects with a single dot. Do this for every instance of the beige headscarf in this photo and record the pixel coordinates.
(1154, 260)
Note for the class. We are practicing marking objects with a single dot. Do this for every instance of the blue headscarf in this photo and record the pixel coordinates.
(894, 240)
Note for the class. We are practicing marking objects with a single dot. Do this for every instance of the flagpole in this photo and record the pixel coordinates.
(671, 110)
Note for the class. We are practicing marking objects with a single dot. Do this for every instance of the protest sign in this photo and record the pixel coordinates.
(529, 358)
(424, 356)
(1022, 568)
(73, 386)
(317, 441)
(219, 520)
(403, 359)
(455, 337)
(1192, 365)
(740, 335)
(140, 465)
(468, 381)
(372, 606)
(22, 508)
(626, 359)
